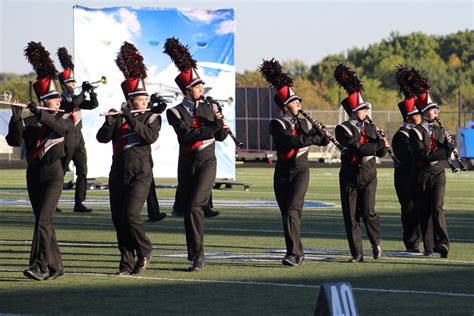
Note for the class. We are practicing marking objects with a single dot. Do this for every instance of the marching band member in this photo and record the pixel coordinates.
(430, 149)
(43, 136)
(74, 141)
(292, 136)
(358, 174)
(405, 172)
(197, 127)
(131, 171)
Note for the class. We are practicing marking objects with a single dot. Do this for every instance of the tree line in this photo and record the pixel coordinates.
(447, 61)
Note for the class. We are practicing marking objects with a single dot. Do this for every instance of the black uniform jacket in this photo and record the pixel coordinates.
(281, 130)
(210, 128)
(72, 106)
(403, 151)
(431, 161)
(51, 145)
(142, 132)
(349, 136)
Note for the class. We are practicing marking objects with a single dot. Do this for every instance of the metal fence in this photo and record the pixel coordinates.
(255, 109)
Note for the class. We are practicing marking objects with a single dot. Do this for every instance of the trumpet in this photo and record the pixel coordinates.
(381, 135)
(7, 100)
(95, 84)
(319, 126)
(462, 166)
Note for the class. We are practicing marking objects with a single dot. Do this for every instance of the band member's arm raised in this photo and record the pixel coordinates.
(55, 122)
(187, 135)
(421, 151)
(348, 140)
(148, 131)
(81, 102)
(106, 132)
(221, 131)
(285, 138)
(15, 128)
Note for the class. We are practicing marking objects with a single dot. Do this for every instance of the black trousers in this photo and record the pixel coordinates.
(409, 216)
(76, 151)
(128, 191)
(178, 204)
(196, 175)
(429, 202)
(290, 189)
(152, 204)
(45, 185)
(357, 202)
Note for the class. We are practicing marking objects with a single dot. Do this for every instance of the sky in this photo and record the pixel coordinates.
(303, 30)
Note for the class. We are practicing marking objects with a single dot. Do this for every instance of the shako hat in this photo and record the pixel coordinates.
(45, 85)
(130, 62)
(272, 72)
(66, 62)
(182, 58)
(349, 80)
(405, 79)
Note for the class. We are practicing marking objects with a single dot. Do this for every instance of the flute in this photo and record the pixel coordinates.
(454, 149)
(21, 105)
(381, 135)
(120, 112)
(319, 126)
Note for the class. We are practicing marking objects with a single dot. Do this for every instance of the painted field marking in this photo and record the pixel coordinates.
(246, 283)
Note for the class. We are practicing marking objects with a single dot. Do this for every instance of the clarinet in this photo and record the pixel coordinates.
(453, 147)
(381, 135)
(319, 126)
(210, 102)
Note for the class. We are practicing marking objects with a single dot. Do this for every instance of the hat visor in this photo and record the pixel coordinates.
(292, 98)
(51, 95)
(413, 112)
(430, 106)
(365, 105)
(137, 93)
(195, 83)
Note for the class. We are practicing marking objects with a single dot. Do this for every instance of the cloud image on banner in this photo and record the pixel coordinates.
(98, 35)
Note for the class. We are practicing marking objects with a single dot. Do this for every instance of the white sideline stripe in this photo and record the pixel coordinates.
(292, 285)
(311, 254)
(304, 233)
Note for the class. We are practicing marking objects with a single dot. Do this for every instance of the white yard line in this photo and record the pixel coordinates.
(256, 283)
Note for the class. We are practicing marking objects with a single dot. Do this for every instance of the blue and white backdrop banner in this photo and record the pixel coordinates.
(98, 35)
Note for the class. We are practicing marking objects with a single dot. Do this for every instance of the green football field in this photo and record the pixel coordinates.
(244, 247)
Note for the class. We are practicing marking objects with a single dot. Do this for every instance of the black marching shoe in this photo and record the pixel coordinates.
(141, 264)
(443, 250)
(82, 209)
(299, 259)
(428, 253)
(33, 273)
(209, 212)
(377, 252)
(289, 260)
(58, 210)
(157, 217)
(358, 258)
(122, 273)
(176, 213)
(53, 275)
(197, 265)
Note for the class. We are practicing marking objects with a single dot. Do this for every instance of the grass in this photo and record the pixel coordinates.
(233, 283)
